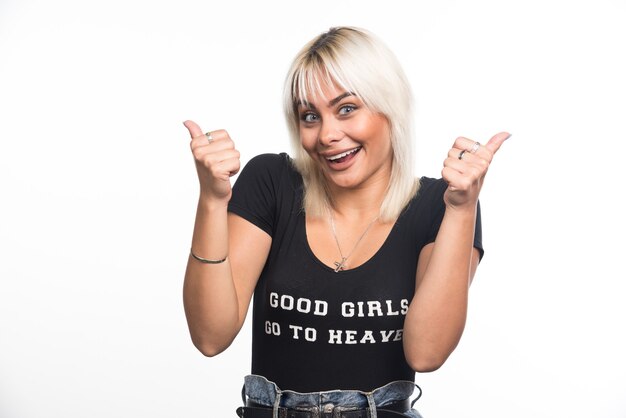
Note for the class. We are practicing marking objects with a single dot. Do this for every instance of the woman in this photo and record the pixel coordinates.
(360, 272)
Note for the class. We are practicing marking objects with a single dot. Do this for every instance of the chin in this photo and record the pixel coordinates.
(344, 181)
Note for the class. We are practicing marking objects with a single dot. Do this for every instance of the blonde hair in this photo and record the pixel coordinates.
(360, 63)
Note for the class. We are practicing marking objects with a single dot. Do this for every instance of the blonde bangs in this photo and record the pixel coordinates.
(314, 75)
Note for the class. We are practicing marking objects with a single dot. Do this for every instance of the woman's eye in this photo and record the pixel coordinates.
(344, 110)
(309, 117)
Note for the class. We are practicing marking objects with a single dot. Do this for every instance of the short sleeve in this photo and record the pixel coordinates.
(255, 191)
(434, 198)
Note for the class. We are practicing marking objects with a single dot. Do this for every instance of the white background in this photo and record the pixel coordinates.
(98, 193)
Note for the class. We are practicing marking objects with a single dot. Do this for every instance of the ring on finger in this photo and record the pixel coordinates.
(461, 154)
(208, 137)
(475, 147)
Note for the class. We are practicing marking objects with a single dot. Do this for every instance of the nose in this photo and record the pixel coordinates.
(329, 133)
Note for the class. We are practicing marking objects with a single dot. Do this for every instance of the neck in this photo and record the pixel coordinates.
(362, 202)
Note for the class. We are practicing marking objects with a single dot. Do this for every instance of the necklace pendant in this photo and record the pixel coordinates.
(340, 265)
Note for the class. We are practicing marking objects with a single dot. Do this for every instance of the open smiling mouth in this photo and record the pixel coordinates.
(344, 156)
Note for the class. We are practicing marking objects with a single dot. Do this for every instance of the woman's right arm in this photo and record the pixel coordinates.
(217, 296)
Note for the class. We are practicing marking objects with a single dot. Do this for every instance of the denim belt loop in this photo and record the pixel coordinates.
(243, 394)
(372, 404)
(279, 395)
(418, 396)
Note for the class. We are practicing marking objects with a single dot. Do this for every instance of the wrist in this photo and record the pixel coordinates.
(467, 212)
(210, 203)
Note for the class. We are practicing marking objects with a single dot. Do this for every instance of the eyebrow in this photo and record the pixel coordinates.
(340, 97)
(330, 103)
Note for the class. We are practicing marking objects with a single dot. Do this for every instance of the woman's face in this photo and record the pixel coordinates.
(350, 143)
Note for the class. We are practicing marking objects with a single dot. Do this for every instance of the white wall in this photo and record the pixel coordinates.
(98, 192)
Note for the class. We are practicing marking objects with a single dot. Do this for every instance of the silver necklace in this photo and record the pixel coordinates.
(341, 265)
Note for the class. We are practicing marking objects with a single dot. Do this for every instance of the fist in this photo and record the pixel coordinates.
(216, 161)
(466, 167)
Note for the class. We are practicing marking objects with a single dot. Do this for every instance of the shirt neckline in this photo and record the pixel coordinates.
(362, 267)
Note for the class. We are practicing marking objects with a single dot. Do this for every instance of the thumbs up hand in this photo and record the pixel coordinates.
(216, 161)
(466, 167)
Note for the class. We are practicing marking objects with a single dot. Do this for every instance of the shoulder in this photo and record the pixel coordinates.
(270, 162)
(263, 189)
(430, 193)
(270, 167)
(268, 177)
(427, 205)
(429, 185)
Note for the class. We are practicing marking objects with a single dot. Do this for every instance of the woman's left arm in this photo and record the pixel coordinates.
(436, 317)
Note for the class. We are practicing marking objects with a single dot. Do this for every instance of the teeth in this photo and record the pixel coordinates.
(343, 154)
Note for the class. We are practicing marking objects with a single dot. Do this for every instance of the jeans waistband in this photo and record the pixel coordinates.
(264, 392)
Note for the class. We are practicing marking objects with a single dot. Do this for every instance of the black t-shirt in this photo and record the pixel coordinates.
(315, 329)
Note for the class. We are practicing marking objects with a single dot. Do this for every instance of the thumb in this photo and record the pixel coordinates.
(496, 141)
(194, 129)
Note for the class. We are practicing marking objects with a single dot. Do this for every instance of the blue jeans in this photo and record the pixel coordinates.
(264, 392)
